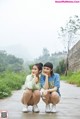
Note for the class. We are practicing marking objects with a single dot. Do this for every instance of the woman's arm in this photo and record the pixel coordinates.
(46, 85)
(56, 83)
(36, 79)
(52, 90)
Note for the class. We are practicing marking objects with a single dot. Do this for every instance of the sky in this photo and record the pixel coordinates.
(28, 26)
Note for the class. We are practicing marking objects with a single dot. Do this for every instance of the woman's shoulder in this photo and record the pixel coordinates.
(29, 76)
(55, 75)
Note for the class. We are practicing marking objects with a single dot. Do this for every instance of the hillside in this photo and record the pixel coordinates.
(55, 58)
(17, 50)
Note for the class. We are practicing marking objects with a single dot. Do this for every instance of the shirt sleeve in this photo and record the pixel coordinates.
(29, 83)
(57, 81)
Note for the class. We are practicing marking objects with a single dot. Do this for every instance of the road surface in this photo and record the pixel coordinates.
(68, 108)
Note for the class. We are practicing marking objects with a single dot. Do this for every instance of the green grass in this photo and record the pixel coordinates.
(10, 81)
(72, 78)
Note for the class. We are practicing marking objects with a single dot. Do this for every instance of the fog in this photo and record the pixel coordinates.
(28, 26)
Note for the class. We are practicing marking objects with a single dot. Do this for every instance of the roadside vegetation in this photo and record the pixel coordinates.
(10, 81)
(12, 74)
(72, 78)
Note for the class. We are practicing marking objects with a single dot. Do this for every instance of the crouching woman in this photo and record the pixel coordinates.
(50, 83)
(31, 95)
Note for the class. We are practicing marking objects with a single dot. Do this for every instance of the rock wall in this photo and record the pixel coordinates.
(74, 57)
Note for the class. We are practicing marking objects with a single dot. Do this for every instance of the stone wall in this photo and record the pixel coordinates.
(74, 57)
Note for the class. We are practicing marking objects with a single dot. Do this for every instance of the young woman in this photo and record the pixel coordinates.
(50, 83)
(31, 96)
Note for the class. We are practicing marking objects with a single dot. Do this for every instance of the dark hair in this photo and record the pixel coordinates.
(50, 65)
(39, 66)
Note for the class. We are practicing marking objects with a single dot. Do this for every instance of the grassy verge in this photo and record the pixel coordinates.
(72, 78)
(10, 81)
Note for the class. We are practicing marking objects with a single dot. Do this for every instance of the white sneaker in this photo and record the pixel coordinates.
(47, 108)
(25, 108)
(35, 108)
(53, 108)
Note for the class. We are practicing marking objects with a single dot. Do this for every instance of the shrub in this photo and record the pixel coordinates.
(11, 81)
(4, 90)
(61, 68)
(72, 78)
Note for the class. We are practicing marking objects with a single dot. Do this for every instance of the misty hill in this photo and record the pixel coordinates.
(17, 50)
(10, 62)
(54, 58)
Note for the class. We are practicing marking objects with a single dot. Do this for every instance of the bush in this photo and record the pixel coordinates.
(11, 81)
(61, 68)
(4, 90)
(72, 78)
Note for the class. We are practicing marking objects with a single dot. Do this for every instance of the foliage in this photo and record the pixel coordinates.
(30, 66)
(10, 62)
(54, 58)
(11, 81)
(72, 78)
(69, 33)
(61, 68)
(4, 90)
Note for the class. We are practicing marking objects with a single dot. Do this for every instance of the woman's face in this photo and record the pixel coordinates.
(35, 70)
(47, 70)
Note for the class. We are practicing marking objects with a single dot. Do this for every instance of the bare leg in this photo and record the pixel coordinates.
(54, 98)
(36, 96)
(26, 96)
(46, 98)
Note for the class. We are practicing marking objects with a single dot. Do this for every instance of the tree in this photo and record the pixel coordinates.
(3, 63)
(61, 68)
(46, 52)
(10, 62)
(45, 57)
(68, 34)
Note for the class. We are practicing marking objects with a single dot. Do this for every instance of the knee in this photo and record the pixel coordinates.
(55, 98)
(37, 93)
(55, 95)
(28, 92)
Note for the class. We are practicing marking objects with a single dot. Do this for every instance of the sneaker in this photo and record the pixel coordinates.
(47, 108)
(25, 108)
(35, 108)
(53, 109)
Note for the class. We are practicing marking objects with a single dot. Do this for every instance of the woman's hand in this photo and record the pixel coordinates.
(45, 92)
(44, 74)
(46, 85)
(52, 90)
(49, 90)
(36, 79)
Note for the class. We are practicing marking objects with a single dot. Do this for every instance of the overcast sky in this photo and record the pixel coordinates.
(33, 24)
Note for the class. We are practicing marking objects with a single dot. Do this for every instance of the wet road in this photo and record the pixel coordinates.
(68, 108)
